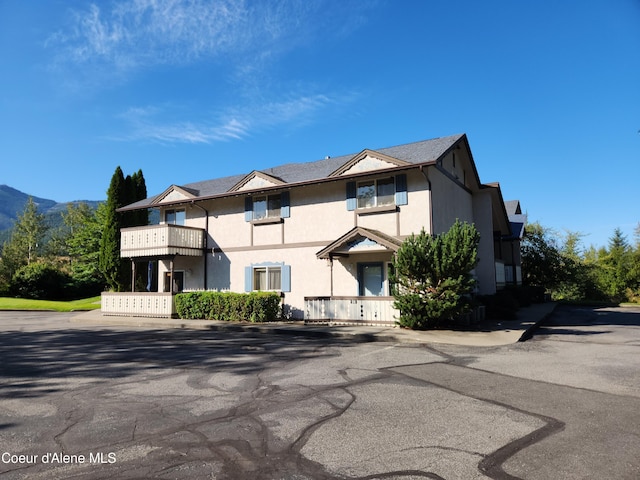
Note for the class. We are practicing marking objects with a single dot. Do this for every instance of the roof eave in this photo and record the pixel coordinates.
(274, 188)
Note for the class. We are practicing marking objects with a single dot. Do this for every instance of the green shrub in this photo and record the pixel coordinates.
(40, 281)
(228, 306)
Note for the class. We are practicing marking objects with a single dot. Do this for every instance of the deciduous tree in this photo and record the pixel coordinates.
(26, 241)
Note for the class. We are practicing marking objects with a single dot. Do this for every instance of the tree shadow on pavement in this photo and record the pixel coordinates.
(40, 362)
(580, 320)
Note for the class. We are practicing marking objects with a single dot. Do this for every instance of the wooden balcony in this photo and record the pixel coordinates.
(161, 240)
(355, 310)
(138, 304)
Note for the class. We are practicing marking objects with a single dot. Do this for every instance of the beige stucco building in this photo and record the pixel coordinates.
(323, 233)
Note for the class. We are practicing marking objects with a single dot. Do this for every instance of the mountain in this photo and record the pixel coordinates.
(12, 203)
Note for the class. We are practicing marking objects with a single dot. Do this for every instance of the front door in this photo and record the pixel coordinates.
(178, 282)
(370, 279)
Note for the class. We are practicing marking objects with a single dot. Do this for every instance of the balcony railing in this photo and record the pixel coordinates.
(138, 304)
(362, 310)
(161, 240)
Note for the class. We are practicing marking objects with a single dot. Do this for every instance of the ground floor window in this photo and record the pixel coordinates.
(370, 279)
(267, 278)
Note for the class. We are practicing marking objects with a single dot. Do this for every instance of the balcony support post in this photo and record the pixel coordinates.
(171, 283)
(133, 275)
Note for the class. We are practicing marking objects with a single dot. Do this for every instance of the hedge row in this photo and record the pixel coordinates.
(229, 306)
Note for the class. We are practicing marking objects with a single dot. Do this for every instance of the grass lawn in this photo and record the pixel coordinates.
(7, 303)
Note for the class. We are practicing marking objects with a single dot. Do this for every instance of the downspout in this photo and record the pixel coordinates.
(331, 272)
(426, 176)
(205, 240)
(513, 262)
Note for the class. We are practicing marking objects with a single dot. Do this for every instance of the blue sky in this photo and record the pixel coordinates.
(548, 93)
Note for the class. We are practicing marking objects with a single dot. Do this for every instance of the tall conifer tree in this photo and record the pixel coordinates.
(110, 263)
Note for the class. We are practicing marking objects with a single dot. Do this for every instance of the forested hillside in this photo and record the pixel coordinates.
(12, 203)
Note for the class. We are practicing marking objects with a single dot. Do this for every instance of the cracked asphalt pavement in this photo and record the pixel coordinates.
(86, 402)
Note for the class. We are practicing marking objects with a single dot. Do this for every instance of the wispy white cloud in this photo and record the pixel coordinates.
(239, 40)
(150, 124)
(142, 33)
(130, 34)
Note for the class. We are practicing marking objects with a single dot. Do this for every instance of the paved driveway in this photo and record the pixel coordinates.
(90, 402)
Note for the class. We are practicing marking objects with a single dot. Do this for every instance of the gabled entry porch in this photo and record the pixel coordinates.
(360, 263)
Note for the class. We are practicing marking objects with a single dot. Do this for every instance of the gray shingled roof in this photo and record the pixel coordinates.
(512, 207)
(417, 153)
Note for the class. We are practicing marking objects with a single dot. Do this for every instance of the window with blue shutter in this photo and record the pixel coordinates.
(262, 207)
(380, 192)
(267, 276)
(248, 279)
(401, 189)
(351, 196)
(285, 209)
(286, 278)
(248, 209)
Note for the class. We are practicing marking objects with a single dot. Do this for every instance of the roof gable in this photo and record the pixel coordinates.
(513, 207)
(174, 194)
(368, 160)
(256, 180)
(358, 240)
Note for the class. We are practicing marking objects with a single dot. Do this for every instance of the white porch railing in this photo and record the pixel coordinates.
(138, 304)
(158, 240)
(368, 310)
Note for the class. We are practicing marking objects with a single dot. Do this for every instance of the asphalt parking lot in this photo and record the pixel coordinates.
(87, 402)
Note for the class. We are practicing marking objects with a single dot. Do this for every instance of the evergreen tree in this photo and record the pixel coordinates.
(122, 191)
(617, 265)
(431, 276)
(634, 273)
(141, 194)
(135, 189)
(110, 264)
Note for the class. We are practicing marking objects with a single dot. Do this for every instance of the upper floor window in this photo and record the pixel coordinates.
(175, 217)
(376, 193)
(380, 192)
(267, 206)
